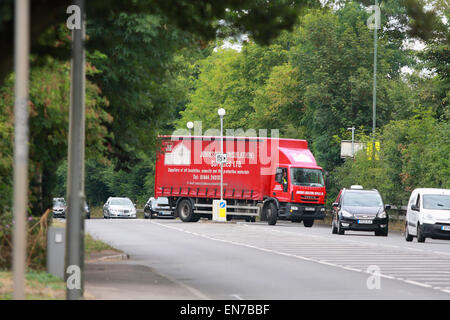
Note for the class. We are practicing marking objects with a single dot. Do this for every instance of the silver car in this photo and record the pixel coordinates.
(116, 207)
(59, 207)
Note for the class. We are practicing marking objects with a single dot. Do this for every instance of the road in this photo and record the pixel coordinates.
(286, 261)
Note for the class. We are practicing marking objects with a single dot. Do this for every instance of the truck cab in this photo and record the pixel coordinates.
(300, 193)
(298, 186)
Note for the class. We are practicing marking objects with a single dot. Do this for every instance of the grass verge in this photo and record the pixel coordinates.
(40, 285)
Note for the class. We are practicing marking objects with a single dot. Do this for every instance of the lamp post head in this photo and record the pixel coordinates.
(221, 112)
(190, 125)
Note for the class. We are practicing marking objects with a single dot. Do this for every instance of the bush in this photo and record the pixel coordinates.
(36, 241)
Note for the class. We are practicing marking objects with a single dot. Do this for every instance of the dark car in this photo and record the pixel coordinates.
(360, 210)
(157, 208)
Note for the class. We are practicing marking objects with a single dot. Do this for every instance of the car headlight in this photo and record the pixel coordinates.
(346, 214)
(382, 215)
(428, 217)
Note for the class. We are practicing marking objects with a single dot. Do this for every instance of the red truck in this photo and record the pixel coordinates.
(267, 177)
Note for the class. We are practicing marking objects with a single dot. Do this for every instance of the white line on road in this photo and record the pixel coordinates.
(294, 256)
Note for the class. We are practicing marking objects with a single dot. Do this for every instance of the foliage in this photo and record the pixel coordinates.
(36, 241)
(309, 83)
(48, 129)
(414, 153)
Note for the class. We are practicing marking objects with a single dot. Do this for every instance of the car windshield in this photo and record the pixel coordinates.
(59, 202)
(362, 199)
(120, 202)
(436, 201)
(307, 177)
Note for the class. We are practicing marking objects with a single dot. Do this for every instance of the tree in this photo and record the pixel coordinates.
(49, 104)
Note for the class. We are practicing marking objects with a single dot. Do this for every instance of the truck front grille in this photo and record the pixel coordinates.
(310, 198)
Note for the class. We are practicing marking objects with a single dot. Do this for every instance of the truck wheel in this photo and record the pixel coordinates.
(263, 215)
(185, 212)
(271, 214)
(308, 223)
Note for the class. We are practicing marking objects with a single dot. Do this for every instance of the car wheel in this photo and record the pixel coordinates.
(333, 227)
(271, 213)
(308, 223)
(420, 236)
(408, 237)
(339, 229)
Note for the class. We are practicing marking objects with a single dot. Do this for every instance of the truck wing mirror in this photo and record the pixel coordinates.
(414, 207)
(387, 207)
(278, 177)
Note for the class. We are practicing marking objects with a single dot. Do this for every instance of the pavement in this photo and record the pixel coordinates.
(169, 259)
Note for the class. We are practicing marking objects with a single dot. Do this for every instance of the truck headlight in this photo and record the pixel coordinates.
(322, 209)
(346, 214)
(382, 215)
(294, 208)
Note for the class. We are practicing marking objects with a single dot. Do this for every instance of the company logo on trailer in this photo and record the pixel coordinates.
(180, 156)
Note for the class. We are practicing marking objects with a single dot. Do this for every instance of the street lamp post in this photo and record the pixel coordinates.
(190, 125)
(353, 140)
(374, 102)
(221, 113)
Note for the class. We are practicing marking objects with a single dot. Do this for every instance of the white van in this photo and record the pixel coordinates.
(428, 214)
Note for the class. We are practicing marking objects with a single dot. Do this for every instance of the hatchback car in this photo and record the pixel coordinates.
(116, 207)
(157, 208)
(428, 214)
(360, 210)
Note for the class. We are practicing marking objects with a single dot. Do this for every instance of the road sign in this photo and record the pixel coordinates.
(370, 152)
(219, 210)
(221, 158)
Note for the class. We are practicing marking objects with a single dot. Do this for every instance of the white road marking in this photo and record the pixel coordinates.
(235, 237)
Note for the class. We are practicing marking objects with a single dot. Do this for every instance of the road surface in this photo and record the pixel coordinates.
(286, 261)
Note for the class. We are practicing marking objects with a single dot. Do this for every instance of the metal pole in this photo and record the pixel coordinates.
(353, 142)
(374, 83)
(221, 151)
(21, 66)
(75, 176)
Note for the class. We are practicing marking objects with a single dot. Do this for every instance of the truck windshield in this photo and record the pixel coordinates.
(307, 177)
(436, 201)
(362, 199)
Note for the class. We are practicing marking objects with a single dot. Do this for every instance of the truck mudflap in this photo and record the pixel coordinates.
(302, 211)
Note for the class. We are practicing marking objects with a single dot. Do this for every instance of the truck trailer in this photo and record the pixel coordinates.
(270, 178)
